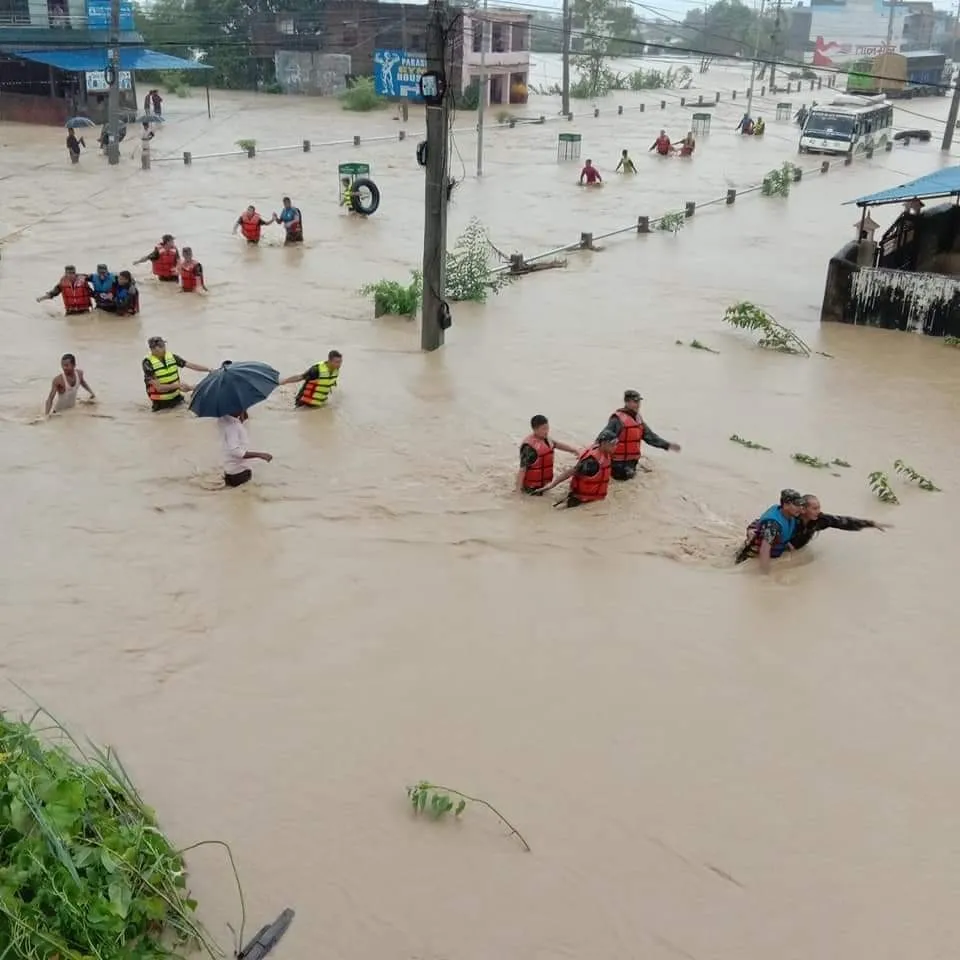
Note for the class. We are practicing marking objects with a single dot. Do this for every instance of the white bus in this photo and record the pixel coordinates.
(848, 124)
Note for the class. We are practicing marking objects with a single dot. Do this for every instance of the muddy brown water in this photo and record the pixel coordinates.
(706, 763)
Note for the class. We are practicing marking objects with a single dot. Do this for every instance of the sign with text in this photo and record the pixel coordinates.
(97, 81)
(98, 15)
(398, 74)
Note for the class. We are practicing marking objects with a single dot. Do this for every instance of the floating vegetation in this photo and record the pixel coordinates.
(880, 485)
(840, 463)
(749, 444)
(395, 299)
(777, 183)
(697, 345)
(809, 461)
(906, 471)
(468, 274)
(672, 222)
(951, 341)
(246, 145)
(773, 336)
(436, 802)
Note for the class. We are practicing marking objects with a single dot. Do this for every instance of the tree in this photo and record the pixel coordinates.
(728, 28)
(602, 29)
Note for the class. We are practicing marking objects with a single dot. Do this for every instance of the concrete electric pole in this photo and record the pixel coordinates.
(753, 66)
(485, 34)
(952, 115)
(776, 49)
(113, 98)
(435, 313)
(565, 47)
(893, 7)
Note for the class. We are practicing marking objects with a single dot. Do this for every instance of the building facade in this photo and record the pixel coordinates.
(501, 37)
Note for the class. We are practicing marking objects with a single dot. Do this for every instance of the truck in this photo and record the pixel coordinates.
(917, 73)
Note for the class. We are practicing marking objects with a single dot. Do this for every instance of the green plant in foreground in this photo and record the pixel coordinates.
(468, 274)
(247, 145)
(837, 462)
(951, 341)
(774, 336)
(777, 182)
(672, 222)
(84, 870)
(880, 485)
(810, 461)
(905, 470)
(436, 801)
(392, 298)
(749, 444)
(361, 95)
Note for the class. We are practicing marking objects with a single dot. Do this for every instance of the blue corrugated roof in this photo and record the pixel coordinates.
(95, 58)
(943, 183)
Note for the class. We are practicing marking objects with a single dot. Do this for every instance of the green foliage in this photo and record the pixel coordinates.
(747, 443)
(272, 87)
(951, 341)
(436, 802)
(906, 471)
(729, 28)
(391, 298)
(880, 485)
(361, 95)
(810, 461)
(658, 79)
(839, 463)
(468, 275)
(774, 336)
(247, 145)
(697, 345)
(469, 99)
(777, 182)
(672, 222)
(84, 871)
(503, 116)
(605, 29)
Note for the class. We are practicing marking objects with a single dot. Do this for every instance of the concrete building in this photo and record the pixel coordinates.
(505, 35)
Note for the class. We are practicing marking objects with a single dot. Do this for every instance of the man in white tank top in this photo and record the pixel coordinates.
(63, 389)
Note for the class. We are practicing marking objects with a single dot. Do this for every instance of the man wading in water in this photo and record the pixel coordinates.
(811, 521)
(63, 389)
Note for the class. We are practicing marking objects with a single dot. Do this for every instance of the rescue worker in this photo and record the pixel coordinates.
(163, 259)
(250, 224)
(590, 173)
(811, 521)
(64, 386)
(126, 296)
(318, 381)
(291, 221)
(102, 283)
(590, 476)
(161, 375)
(769, 536)
(626, 165)
(662, 144)
(536, 457)
(191, 273)
(75, 290)
(631, 432)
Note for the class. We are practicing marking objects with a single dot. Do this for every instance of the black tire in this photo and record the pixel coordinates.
(357, 203)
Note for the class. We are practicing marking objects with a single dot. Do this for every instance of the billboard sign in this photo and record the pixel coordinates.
(97, 81)
(98, 15)
(398, 74)
(843, 31)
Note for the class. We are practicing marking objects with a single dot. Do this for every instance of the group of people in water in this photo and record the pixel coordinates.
(749, 127)
(590, 176)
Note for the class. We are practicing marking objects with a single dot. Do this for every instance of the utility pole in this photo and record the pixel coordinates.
(952, 116)
(565, 82)
(113, 98)
(776, 49)
(893, 6)
(483, 84)
(435, 308)
(753, 65)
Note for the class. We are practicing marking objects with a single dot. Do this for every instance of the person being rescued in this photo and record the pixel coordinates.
(250, 224)
(662, 145)
(318, 381)
(626, 165)
(126, 296)
(163, 259)
(536, 457)
(75, 290)
(759, 127)
(688, 144)
(291, 221)
(591, 174)
(630, 431)
(102, 283)
(191, 273)
(769, 536)
(745, 126)
(74, 144)
(590, 476)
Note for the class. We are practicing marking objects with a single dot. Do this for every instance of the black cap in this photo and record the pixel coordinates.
(629, 395)
(156, 342)
(790, 495)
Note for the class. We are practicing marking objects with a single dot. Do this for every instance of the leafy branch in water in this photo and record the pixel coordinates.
(774, 336)
(468, 266)
(437, 801)
(951, 341)
(880, 485)
(395, 299)
(809, 461)
(905, 470)
(777, 182)
(697, 345)
(672, 222)
(747, 443)
(837, 462)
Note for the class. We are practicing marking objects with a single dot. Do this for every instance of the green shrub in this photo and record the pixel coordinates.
(468, 267)
(246, 145)
(361, 95)
(469, 99)
(391, 298)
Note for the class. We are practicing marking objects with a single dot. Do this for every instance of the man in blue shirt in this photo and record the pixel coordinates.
(289, 218)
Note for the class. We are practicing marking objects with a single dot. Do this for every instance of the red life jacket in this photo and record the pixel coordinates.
(75, 293)
(663, 146)
(540, 472)
(166, 263)
(631, 433)
(250, 226)
(189, 276)
(588, 489)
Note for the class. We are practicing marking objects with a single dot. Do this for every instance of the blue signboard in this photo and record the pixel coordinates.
(98, 15)
(398, 74)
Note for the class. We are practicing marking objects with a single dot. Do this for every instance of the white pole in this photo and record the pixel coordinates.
(483, 86)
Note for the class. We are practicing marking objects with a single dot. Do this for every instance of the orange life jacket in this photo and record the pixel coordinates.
(663, 146)
(250, 226)
(588, 489)
(166, 263)
(631, 433)
(75, 293)
(540, 472)
(189, 276)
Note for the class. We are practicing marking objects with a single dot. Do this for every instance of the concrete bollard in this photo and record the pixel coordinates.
(763, 91)
(145, 157)
(718, 97)
(516, 262)
(401, 134)
(683, 101)
(570, 116)
(643, 224)
(586, 241)
(541, 119)
(620, 110)
(251, 152)
(690, 209)
(404, 112)
(187, 158)
(663, 104)
(797, 174)
(700, 100)
(847, 159)
(825, 166)
(642, 107)
(512, 123)
(306, 145)
(888, 146)
(789, 87)
(869, 153)
(733, 95)
(356, 141)
(819, 83)
(596, 112)
(731, 196)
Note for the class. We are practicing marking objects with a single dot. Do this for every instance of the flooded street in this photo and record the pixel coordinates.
(707, 764)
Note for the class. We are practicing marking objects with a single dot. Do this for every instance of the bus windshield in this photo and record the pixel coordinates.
(829, 125)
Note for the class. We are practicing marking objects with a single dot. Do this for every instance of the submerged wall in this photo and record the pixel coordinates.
(320, 74)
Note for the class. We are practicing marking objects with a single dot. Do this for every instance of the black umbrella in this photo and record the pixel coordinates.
(233, 388)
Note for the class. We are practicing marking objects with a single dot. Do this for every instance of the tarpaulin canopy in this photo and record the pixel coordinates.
(94, 59)
(943, 183)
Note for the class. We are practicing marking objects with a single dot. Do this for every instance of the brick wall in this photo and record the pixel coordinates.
(27, 108)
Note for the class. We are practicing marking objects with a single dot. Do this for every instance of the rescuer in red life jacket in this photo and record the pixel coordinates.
(590, 476)
(191, 273)
(662, 145)
(163, 259)
(536, 456)
(250, 223)
(627, 426)
(75, 290)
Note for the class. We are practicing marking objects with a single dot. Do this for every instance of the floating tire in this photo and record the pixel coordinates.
(366, 197)
(922, 135)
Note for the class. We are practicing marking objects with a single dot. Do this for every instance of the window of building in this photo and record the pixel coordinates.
(286, 26)
(14, 11)
(418, 43)
(498, 38)
(478, 27)
(519, 39)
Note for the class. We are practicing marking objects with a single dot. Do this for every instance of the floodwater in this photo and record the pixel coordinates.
(706, 763)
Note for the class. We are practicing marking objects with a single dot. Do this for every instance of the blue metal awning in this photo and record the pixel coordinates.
(943, 183)
(94, 59)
